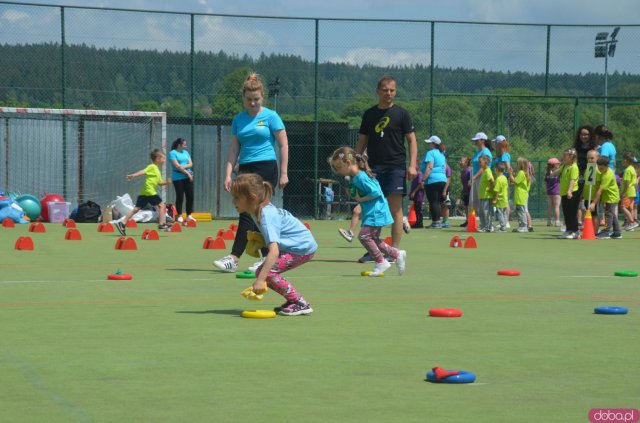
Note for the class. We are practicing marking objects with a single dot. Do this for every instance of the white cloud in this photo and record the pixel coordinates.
(14, 16)
(380, 57)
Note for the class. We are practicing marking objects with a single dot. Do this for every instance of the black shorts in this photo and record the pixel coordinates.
(392, 179)
(143, 200)
(267, 169)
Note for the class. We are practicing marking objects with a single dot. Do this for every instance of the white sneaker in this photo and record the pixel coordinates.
(558, 223)
(572, 235)
(523, 230)
(180, 219)
(254, 267)
(563, 228)
(191, 218)
(401, 262)
(380, 268)
(348, 235)
(508, 226)
(226, 264)
(405, 225)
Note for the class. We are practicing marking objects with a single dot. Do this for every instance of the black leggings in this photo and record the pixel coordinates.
(269, 172)
(184, 187)
(570, 211)
(434, 195)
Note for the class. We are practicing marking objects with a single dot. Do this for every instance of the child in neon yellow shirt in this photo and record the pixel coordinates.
(501, 199)
(148, 193)
(522, 182)
(485, 195)
(628, 191)
(608, 193)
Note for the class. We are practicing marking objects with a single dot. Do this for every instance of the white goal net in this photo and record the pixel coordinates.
(79, 154)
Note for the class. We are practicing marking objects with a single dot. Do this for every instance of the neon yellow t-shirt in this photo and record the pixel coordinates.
(567, 173)
(591, 188)
(152, 178)
(484, 189)
(521, 192)
(629, 175)
(609, 186)
(501, 188)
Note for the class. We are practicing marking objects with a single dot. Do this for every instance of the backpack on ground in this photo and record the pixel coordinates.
(88, 212)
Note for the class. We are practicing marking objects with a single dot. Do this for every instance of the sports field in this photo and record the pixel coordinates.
(170, 345)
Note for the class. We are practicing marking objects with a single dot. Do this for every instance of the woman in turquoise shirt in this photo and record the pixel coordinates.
(435, 178)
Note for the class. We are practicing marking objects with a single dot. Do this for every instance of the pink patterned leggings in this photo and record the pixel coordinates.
(279, 283)
(370, 239)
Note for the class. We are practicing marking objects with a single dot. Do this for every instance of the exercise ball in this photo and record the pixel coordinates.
(44, 204)
(30, 205)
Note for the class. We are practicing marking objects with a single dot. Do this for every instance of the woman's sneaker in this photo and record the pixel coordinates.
(226, 264)
(254, 267)
(298, 308)
(401, 262)
(348, 235)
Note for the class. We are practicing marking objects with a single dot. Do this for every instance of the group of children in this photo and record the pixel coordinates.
(597, 186)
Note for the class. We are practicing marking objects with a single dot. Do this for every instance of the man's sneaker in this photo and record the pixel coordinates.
(283, 306)
(226, 264)
(348, 235)
(164, 227)
(121, 228)
(405, 225)
(190, 217)
(296, 309)
(464, 224)
(366, 259)
(401, 262)
(380, 268)
(446, 224)
(616, 235)
(254, 267)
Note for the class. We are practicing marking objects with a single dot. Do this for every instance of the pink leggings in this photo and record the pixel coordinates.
(370, 239)
(279, 283)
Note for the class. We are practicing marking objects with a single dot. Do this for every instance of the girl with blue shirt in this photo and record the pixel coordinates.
(289, 243)
(182, 176)
(375, 208)
(254, 133)
(480, 140)
(435, 178)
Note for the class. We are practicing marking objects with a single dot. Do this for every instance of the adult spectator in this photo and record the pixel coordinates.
(434, 179)
(604, 139)
(182, 177)
(254, 132)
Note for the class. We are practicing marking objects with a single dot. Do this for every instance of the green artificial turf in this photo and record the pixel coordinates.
(170, 345)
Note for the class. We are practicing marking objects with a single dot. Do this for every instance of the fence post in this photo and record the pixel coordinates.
(63, 89)
(315, 120)
(546, 73)
(431, 96)
(192, 71)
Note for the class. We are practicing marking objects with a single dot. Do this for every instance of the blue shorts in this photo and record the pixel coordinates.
(637, 199)
(393, 180)
(143, 200)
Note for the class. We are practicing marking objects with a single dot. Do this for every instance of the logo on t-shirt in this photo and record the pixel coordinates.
(383, 123)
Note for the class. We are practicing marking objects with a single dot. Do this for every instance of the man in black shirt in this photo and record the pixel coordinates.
(382, 134)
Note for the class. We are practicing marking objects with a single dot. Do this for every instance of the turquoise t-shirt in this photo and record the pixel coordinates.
(607, 149)
(438, 173)
(279, 226)
(256, 135)
(475, 165)
(504, 158)
(375, 212)
(182, 157)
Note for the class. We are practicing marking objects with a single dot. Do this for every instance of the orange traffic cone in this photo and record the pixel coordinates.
(587, 231)
(412, 215)
(472, 226)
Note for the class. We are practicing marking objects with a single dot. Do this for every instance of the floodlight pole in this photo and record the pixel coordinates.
(606, 47)
(606, 85)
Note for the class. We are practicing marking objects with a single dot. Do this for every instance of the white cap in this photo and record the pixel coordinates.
(500, 138)
(433, 139)
(480, 136)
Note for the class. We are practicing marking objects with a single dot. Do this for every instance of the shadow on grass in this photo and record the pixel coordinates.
(234, 312)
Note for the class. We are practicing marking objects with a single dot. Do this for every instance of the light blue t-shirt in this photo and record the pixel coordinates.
(256, 135)
(607, 149)
(475, 165)
(182, 157)
(279, 226)
(375, 212)
(504, 158)
(439, 161)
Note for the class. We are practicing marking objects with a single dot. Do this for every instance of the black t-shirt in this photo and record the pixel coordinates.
(386, 129)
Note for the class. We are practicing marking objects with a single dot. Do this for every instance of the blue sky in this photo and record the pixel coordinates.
(380, 43)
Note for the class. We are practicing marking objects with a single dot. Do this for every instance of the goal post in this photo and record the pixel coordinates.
(79, 154)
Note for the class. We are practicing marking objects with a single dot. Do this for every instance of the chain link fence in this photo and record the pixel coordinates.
(535, 84)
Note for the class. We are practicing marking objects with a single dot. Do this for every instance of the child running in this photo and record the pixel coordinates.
(375, 209)
(148, 193)
(289, 242)
(522, 182)
(628, 191)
